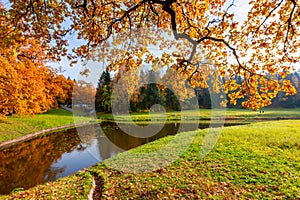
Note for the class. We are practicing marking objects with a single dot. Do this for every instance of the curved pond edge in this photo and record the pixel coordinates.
(30, 136)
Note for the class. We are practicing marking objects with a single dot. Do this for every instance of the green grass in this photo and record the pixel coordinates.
(259, 160)
(191, 115)
(268, 112)
(16, 126)
(256, 161)
(73, 187)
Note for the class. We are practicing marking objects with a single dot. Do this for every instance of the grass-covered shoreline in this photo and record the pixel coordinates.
(255, 161)
(207, 114)
(16, 126)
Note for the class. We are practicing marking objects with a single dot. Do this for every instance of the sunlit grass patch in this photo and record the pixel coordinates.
(16, 126)
(190, 115)
(247, 162)
(76, 186)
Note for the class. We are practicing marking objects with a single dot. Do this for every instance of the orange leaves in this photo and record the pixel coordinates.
(256, 91)
(27, 86)
(266, 42)
(288, 88)
(282, 74)
(200, 7)
(25, 89)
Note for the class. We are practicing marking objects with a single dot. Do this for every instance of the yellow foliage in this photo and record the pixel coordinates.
(27, 85)
(266, 42)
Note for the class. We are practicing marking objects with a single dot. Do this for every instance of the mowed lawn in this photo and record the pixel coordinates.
(191, 115)
(16, 126)
(255, 161)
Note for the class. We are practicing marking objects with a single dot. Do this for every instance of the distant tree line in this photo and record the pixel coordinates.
(149, 94)
(142, 99)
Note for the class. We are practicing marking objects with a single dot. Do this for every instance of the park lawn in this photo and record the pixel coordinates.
(268, 113)
(206, 114)
(255, 161)
(16, 126)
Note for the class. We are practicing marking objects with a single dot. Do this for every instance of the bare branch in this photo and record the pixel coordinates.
(267, 17)
(126, 14)
(290, 26)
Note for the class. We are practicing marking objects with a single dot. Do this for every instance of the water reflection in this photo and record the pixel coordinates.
(59, 154)
(29, 163)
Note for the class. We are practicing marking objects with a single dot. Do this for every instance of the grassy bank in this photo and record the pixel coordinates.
(191, 115)
(255, 161)
(16, 126)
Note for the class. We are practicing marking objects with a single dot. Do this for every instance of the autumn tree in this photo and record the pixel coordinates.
(284, 101)
(66, 86)
(27, 85)
(149, 92)
(138, 101)
(266, 41)
(84, 95)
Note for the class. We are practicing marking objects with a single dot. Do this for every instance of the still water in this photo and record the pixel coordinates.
(59, 154)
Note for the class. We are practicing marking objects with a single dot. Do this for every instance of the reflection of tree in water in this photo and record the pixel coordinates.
(106, 147)
(116, 138)
(29, 163)
(87, 134)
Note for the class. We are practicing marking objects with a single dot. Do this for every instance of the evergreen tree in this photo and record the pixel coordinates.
(172, 102)
(103, 93)
(106, 98)
(152, 92)
(203, 96)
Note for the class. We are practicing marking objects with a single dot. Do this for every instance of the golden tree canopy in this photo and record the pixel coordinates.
(266, 43)
(27, 85)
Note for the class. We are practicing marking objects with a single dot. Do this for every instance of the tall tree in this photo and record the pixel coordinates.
(83, 96)
(103, 93)
(152, 92)
(203, 97)
(266, 41)
(172, 102)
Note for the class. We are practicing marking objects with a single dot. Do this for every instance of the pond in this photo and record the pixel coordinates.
(59, 154)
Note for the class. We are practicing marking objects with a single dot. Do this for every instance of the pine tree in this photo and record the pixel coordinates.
(152, 92)
(103, 93)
